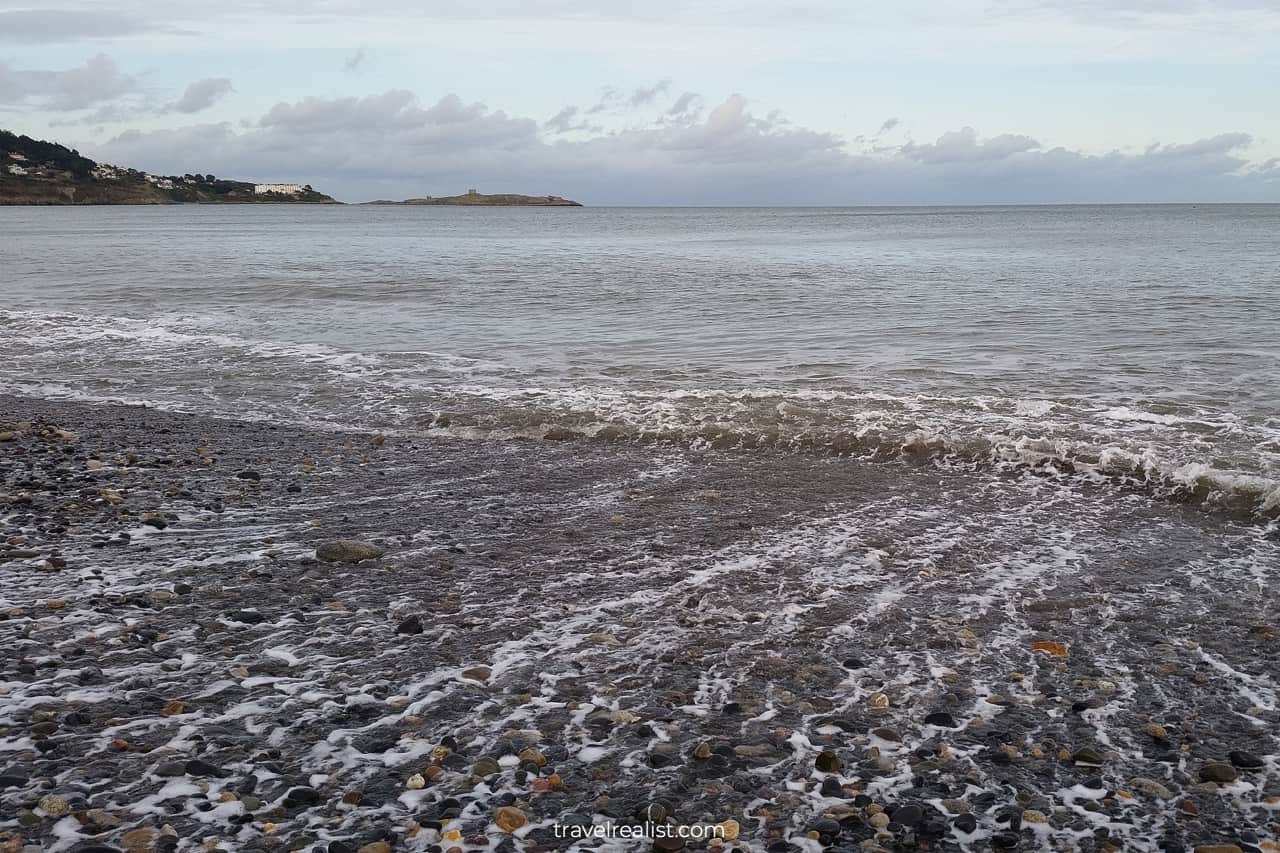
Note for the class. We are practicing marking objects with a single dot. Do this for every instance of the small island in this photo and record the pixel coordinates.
(35, 172)
(473, 198)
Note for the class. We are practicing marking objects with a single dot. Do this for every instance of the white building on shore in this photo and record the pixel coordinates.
(283, 189)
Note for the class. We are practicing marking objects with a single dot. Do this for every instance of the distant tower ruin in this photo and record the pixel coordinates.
(472, 192)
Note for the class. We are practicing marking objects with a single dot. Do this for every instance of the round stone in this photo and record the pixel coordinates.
(54, 805)
(509, 818)
(1216, 771)
(1087, 756)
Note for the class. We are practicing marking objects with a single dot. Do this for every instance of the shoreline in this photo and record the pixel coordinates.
(605, 633)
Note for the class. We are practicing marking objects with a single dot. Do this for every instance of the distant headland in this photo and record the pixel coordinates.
(477, 199)
(35, 172)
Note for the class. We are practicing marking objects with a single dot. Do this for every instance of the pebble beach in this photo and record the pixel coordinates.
(231, 635)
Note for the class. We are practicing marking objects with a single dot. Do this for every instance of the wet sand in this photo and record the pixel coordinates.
(830, 653)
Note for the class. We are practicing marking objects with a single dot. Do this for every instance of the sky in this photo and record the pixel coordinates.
(701, 102)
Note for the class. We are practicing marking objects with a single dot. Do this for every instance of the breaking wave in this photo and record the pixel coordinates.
(1196, 453)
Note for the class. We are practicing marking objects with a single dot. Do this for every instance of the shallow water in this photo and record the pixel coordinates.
(1138, 343)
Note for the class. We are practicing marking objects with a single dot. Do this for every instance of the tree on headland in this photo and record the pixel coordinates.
(38, 151)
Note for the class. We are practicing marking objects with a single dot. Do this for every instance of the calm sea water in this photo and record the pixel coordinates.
(1140, 343)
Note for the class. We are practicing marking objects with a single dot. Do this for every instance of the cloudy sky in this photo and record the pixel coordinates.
(666, 102)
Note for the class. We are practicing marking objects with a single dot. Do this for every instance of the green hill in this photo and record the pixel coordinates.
(33, 171)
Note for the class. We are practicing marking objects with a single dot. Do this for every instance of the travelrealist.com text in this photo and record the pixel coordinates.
(691, 832)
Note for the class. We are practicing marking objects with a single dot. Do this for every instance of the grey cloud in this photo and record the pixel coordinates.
(201, 95)
(397, 118)
(608, 97)
(1128, 8)
(1211, 147)
(78, 19)
(889, 124)
(97, 81)
(47, 26)
(684, 104)
(563, 122)
(355, 60)
(391, 145)
(644, 96)
(612, 99)
(964, 146)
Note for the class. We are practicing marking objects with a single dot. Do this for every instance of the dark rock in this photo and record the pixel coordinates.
(941, 719)
(411, 625)
(12, 781)
(200, 767)
(825, 826)
(249, 474)
(171, 768)
(828, 762)
(249, 617)
(301, 796)
(908, 815)
(1245, 760)
(965, 823)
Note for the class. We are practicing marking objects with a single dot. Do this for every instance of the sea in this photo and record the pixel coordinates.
(892, 528)
(1139, 344)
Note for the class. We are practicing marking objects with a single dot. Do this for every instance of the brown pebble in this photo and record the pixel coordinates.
(509, 818)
